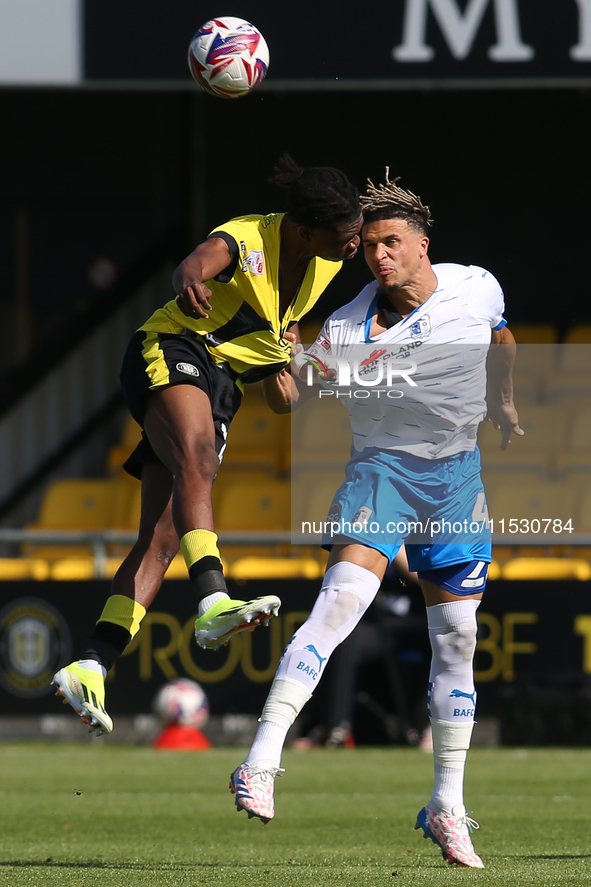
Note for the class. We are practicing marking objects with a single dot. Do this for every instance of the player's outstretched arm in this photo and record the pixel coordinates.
(206, 261)
(501, 409)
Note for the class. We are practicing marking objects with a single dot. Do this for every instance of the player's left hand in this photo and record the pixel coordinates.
(194, 299)
(296, 346)
(506, 420)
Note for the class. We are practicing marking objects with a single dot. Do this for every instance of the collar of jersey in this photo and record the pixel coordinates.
(370, 313)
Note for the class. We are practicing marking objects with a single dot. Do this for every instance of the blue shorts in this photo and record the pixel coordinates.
(461, 579)
(436, 506)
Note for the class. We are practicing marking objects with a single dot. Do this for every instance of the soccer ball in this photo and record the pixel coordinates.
(228, 57)
(182, 702)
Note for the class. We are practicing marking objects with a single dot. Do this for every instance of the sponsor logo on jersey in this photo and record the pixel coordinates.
(372, 357)
(421, 327)
(187, 368)
(256, 261)
(323, 343)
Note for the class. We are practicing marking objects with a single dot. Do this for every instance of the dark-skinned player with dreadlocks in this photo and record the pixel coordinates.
(419, 336)
(240, 295)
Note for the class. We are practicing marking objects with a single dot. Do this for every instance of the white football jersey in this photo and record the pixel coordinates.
(419, 386)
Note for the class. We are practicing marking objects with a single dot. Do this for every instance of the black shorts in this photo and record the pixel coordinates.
(159, 360)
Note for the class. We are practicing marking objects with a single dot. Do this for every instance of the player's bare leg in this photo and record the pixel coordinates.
(140, 575)
(134, 587)
(180, 427)
(176, 495)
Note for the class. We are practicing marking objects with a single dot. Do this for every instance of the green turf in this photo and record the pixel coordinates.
(109, 815)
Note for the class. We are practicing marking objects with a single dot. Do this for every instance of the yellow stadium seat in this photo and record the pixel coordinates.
(528, 387)
(126, 506)
(73, 504)
(494, 571)
(577, 454)
(515, 457)
(572, 379)
(257, 437)
(572, 462)
(579, 334)
(248, 505)
(320, 435)
(82, 568)
(536, 361)
(573, 358)
(232, 552)
(545, 428)
(313, 492)
(534, 333)
(275, 568)
(177, 568)
(526, 498)
(579, 428)
(120, 451)
(72, 569)
(77, 504)
(228, 477)
(546, 568)
(582, 511)
(14, 568)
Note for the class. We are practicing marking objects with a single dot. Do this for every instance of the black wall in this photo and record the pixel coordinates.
(523, 637)
(506, 174)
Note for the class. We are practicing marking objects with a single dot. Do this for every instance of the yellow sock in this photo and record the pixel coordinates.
(197, 544)
(202, 557)
(121, 610)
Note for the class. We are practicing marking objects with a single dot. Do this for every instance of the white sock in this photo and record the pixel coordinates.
(452, 697)
(347, 591)
(452, 632)
(210, 600)
(268, 744)
(450, 749)
(93, 665)
(448, 790)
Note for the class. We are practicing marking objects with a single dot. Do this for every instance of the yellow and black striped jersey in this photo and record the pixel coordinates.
(244, 328)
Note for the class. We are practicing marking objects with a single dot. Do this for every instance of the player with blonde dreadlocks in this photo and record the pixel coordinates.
(388, 201)
(415, 464)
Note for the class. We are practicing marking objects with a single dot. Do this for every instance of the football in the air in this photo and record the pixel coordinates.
(228, 57)
(182, 701)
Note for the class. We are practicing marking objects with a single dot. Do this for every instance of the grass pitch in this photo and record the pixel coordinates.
(117, 816)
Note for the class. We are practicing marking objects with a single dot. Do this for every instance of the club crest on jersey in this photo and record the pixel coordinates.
(421, 328)
(187, 368)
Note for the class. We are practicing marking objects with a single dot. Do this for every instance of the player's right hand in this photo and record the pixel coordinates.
(194, 300)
